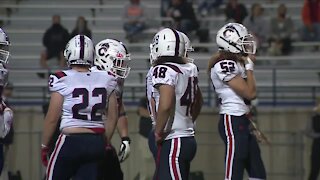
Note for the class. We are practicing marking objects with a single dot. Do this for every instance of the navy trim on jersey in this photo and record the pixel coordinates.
(176, 50)
(81, 46)
(60, 74)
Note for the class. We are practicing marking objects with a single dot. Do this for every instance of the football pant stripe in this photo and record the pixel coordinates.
(230, 146)
(173, 160)
(158, 161)
(54, 155)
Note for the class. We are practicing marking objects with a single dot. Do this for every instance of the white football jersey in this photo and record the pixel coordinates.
(85, 96)
(6, 120)
(230, 102)
(151, 94)
(184, 78)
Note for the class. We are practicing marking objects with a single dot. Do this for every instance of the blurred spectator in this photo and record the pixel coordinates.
(313, 131)
(165, 5)
(235, 12)
(145, 127)
(81, 28)
(183, 15)
(54, 40)
(205, 6)
(311, 20)
(256, 23)
(134, 17)
(281, 29)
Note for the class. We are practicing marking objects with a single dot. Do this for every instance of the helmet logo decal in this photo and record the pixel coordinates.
(227, 33)
(104, 48)
(119, 55)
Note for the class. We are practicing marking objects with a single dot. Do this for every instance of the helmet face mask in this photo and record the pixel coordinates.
(112, 56)
(188, 47)
(121, 66)
(248, 44)
(4, 47)
(79, 51)
(4, 53)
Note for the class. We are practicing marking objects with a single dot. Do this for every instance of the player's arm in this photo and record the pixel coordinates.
(164, 79)
(52, 117)
(166, 104)
(122, 126)
(245, 88)
(112, 116)
(197, 105)
(50, 124)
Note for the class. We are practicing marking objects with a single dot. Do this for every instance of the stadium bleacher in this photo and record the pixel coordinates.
(31, 18)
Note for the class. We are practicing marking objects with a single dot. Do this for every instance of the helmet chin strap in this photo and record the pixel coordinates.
(232, 44)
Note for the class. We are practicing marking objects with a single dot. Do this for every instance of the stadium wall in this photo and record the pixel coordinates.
(286, 158)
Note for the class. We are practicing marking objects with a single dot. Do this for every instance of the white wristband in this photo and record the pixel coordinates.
(249, 64)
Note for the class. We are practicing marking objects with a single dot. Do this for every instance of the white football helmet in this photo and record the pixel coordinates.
(188, 47)
(79, 50)
(4, 47)
(112, 56)
(234, 37)
(167, 42)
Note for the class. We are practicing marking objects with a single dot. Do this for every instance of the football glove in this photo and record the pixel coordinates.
(44, 155)
(124, 150)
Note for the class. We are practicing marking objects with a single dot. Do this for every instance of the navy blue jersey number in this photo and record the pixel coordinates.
(84, 93)
(227, 66)
(160, 72)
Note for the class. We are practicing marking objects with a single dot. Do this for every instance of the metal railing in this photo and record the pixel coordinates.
(276, 87)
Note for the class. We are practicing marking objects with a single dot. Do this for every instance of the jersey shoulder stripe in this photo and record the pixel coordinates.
(60, 74)
(173, 67)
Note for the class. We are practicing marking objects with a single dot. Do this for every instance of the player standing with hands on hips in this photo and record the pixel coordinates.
(231, 72)
(80, 97)
(178, 104)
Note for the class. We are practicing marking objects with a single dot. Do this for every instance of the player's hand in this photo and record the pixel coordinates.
(124, 150)
(158, 138)
(44, 155)
(248, 63)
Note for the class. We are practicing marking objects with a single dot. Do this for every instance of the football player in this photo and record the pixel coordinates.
(231, 72)
(80, 97)
(177, 105)
(152, 94)
(6, 114)
(113, 57)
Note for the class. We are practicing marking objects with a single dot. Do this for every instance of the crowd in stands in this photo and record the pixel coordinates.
(275, 32)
